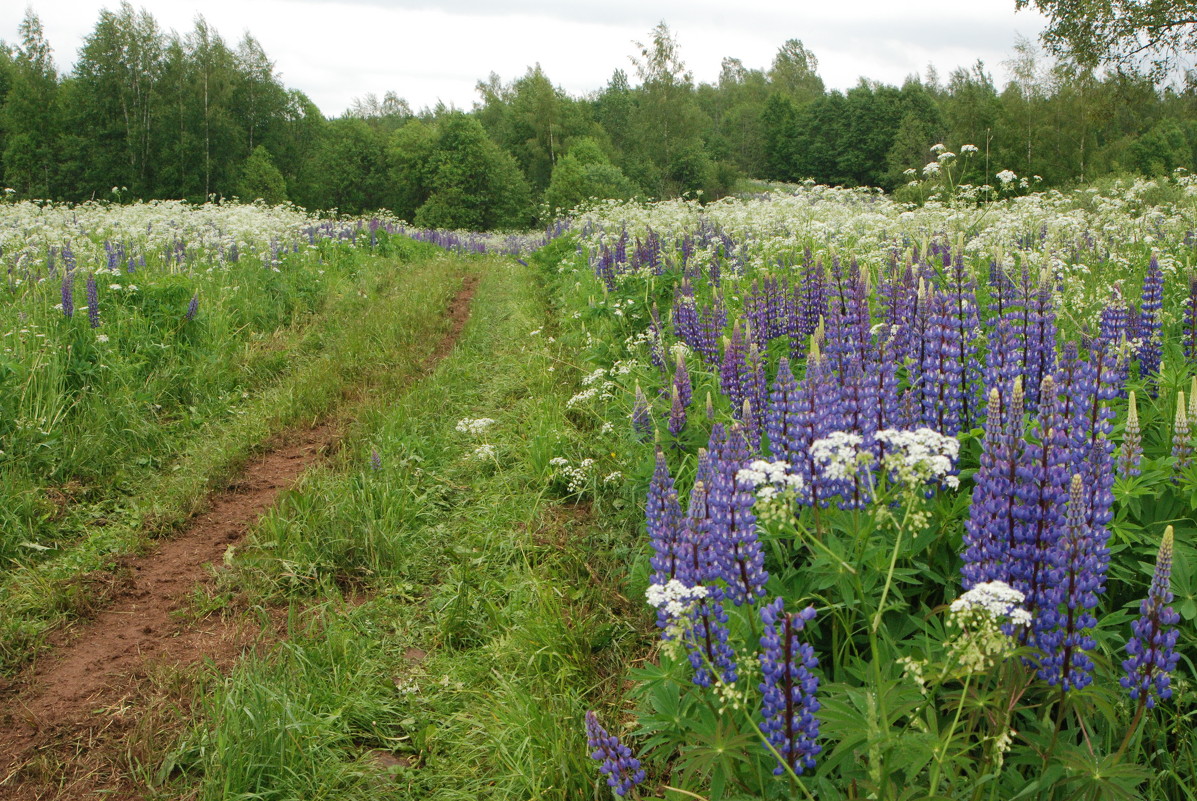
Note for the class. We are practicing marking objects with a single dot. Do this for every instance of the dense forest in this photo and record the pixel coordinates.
(147, 113)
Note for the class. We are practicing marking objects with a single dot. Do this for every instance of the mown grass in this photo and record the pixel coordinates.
(487, 612)
(375, 332)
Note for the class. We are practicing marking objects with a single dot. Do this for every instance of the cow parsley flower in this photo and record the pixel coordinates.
(474, 427)
(1007, 177)
(840, 455)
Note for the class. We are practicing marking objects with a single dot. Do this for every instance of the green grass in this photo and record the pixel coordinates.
(373, 334)
(506, 591)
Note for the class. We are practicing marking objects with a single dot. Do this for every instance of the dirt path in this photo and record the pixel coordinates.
(62, 733)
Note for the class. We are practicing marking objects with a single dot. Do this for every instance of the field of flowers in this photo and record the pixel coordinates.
(910, 492)
(922, 511)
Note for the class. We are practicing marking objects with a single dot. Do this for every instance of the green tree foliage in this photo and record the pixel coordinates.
(158, 114)
(667, 121)
(260, 179)
(473, 183)
(30, 114)
(795, 73)
(1122, 33)
(583, 173)
(350, 169)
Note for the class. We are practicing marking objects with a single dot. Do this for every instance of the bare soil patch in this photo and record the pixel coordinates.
(66, 723)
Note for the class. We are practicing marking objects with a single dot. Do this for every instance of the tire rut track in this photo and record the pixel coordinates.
(82, 696)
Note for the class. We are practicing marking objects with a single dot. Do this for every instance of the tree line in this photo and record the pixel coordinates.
(147, 113)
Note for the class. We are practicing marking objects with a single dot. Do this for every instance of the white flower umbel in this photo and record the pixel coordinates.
(983, 619)
(474, 427)
(919, 456)
(997, 599)
(674, 597)
(1007, 177)
(840, 455)
(770, 478)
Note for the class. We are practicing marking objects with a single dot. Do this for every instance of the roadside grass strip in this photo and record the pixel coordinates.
(462, 606)
(375, 334)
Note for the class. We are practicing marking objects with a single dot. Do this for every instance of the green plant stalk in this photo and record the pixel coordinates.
(943, 751)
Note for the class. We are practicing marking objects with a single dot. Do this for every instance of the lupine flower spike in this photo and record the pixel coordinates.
(641, 421)
(622, 770)
(192, 307)
(1131, 452)
(1182, 434)
(788, 688)
(1152, 647)
(68, 294)
(93, 301)
(375, 460)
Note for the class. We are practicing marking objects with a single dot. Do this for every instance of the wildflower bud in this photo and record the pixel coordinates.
(1182, 446)
(1131, 452)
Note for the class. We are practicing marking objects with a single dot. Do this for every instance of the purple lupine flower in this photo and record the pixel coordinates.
(752, 384)
(986, 532)
(706, 640)
(1042, 492)
(1064, 630)
(656, 343)
(677, 415)
(681, 382)
(858, 414)
(192, 307)
(1182, 436)
(782, 413)
(961, 300)
(664, 516)
(1190, 322)
(788, 688)
(1131, 452)
(814, 299)
(733, 368)
(821, 415)
(1152, 646)
(93, 301)
(684, 315)
(1003, 360)
(738, 553)
(68, 293)
(375, 460)
(696, 562)
(641, 418)
(1039, 350)
(712, 318)
(622, 770)
(1151, 325)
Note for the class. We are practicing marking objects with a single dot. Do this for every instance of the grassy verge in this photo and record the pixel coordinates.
(488, 613)
(373, 334)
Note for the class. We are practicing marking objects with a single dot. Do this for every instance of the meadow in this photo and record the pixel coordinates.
(810, 493)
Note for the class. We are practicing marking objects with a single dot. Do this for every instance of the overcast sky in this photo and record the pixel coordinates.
(428, 50)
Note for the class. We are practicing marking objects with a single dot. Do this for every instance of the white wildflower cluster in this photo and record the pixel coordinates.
(969, 149)
(474, 427)
(982, 619)
(839, 454)
(484, 453)
(576, 477)
(679, 350)
(997, 599)
(673, 597)
(770, 478)
(931, 169)
(919, 456)
(596, 387)
(1007, 177)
